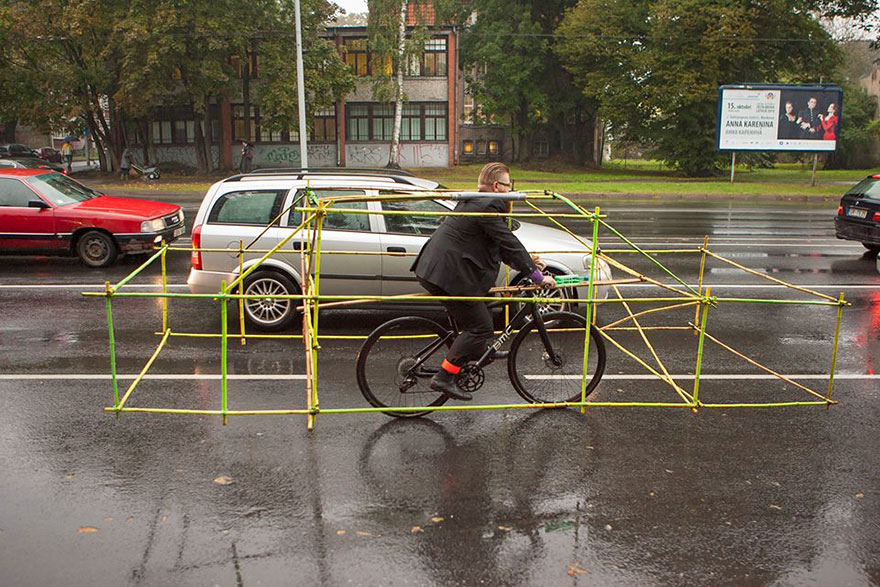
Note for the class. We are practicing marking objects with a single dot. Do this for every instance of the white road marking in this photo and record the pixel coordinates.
(721, 376)
(296, 376)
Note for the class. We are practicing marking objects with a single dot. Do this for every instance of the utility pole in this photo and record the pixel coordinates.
(300, 91)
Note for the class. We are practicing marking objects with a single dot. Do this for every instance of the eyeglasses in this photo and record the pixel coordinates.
(507, 185)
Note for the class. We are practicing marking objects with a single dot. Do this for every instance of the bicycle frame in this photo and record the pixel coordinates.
(529, 308)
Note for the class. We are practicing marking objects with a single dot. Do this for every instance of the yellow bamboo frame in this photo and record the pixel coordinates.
(677, 296)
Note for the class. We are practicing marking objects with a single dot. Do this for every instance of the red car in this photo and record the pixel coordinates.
(45, 212)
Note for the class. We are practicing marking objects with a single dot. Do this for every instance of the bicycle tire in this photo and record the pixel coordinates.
(381, 366)
(536, 378)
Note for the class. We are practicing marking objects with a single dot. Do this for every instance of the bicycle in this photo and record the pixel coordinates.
(397, 360)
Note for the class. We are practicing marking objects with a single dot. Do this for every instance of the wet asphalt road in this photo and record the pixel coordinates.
(619, 497)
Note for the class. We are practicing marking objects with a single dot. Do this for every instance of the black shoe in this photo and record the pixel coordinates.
(444, 382)
(499, 355)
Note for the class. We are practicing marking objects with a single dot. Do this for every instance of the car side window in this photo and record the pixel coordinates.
(14, 193)
(413, 224)
(247, 207)
(335, 220)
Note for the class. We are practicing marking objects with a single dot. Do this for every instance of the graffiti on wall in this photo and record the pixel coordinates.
(320, 155)
(183, 155)
(411, 155)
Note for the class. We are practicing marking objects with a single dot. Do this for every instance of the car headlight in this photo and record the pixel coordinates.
(180, 215)
(152, 225)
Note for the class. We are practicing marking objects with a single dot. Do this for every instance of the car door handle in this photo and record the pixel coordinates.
(396, 249)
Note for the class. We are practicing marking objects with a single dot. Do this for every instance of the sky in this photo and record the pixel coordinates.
(352, 6)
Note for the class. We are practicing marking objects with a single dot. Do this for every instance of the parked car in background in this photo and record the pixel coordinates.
(17, 150)
(49, 154)
(858, 215)
(46, 212)
(31, 164)
(239, 209)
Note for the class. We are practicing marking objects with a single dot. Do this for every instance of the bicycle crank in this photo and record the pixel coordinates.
(470, 378)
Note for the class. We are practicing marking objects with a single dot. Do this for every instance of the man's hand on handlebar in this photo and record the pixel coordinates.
(548, 282)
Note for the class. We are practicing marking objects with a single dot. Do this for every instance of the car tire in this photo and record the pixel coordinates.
(96, 249)
(872, 247)
(270, 314)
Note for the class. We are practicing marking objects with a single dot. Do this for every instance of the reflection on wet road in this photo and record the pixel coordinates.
(616, 497)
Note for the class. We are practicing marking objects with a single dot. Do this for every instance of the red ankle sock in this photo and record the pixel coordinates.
(449, 367)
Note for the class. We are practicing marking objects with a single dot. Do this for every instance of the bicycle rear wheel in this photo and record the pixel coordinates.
(540, 379)
(396, 363)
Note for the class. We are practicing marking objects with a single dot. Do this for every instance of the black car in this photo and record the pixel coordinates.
(26, 163)
(17, 150)
(858, 216)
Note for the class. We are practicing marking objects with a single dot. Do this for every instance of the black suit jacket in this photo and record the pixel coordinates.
(463, 256)
(812, 118)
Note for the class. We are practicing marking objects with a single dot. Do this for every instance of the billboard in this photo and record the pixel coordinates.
(778, 118)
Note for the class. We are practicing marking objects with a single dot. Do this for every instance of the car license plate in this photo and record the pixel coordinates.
(182, 229)
(857, 213)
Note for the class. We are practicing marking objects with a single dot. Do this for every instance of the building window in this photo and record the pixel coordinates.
(383, 122)
(411, 123)
(432, 61)
(356, 55)
(324, 130)
(542, 149)
(435, 122)
(467, 148)
(238, 129)
(434, 58)
(425, 121)
(492, 148)
(239, 66)
(161, 132)
(358, 127)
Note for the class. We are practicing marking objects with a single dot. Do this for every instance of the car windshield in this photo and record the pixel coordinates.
(61, 190)
(867, 188)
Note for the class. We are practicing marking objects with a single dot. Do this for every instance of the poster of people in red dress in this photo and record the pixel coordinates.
(778, 118)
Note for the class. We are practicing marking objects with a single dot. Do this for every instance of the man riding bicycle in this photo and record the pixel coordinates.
(462, 258)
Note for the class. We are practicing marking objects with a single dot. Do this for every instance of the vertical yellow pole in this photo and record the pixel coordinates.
(700, 279)
(164, 289)
(223, 345)
(590, 307)
(705, 306)
(241, 292)
(834, 352)
(317, 286)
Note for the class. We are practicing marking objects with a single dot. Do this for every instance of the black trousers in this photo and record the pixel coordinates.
(474, 322)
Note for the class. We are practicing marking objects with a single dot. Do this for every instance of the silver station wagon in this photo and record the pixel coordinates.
(239, 209)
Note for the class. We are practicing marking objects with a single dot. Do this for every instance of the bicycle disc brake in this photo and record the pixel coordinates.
(470, 378)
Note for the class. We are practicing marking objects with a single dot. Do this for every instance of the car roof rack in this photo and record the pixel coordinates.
(332, 170)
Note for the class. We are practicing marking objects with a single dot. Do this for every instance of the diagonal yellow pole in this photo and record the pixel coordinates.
(682, 393)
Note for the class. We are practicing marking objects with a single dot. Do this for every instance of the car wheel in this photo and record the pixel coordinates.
(270, 314)
(557, 293)
(96, 249)
(872, 247)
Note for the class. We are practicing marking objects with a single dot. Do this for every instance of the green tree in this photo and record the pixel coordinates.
(65, 59)
(182, 55)
(515, 76)
(655, 65)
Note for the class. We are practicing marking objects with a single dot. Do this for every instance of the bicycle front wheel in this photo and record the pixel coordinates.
(396, 363)
(542, 376)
